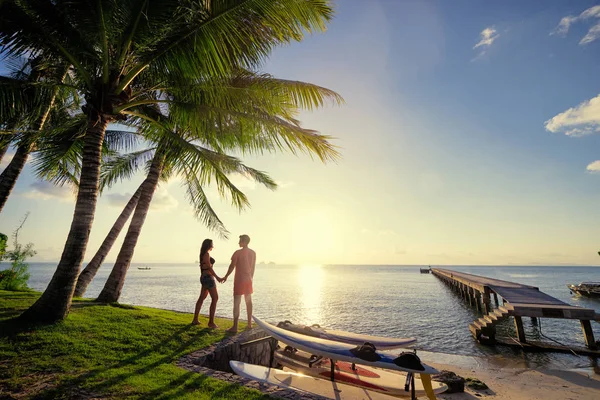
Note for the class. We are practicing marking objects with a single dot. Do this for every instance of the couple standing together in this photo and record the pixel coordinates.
(243, 261)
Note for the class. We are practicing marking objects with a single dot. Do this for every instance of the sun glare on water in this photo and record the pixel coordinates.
(310, 278)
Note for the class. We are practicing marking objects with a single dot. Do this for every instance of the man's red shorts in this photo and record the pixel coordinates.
(240, 288)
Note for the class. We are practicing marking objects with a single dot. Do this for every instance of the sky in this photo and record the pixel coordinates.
(469, 136)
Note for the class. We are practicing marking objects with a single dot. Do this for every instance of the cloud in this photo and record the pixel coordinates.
(45, 191)
(594, 167)
(566, 22)
(241, 182)
(593, 34)
(563, 26)
(117, 199)
(284, 185)
(161, 201)
(577, 121)
(486, 38)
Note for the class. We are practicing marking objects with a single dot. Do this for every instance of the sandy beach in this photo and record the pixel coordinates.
(526, 384)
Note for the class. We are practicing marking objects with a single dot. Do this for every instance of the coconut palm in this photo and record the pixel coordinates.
(27, 114)
(122, 53)
(246, 112)
(89, 272)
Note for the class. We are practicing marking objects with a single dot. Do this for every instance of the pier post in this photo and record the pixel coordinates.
(534, 321)
(588, 334)
(477, 300)
(496, 299)
(470, 296)
(485, 298)
(520, 330)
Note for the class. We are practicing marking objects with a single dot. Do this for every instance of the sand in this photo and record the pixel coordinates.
(526, 384)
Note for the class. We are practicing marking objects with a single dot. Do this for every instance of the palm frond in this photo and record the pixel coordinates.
(123, 167)
(203, 211)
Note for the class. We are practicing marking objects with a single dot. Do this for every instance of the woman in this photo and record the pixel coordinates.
(207, 279)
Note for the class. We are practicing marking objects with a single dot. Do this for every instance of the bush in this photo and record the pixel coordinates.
(17, 276)
(3, 240)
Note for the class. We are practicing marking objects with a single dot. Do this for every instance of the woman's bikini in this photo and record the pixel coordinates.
(203, 269)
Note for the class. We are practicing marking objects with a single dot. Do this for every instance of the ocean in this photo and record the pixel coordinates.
(385, 300)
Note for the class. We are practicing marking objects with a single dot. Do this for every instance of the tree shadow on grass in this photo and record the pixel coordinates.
(192, 381)
(11, 324)
(101, 387)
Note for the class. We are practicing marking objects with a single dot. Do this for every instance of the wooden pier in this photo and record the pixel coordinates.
(518, 301)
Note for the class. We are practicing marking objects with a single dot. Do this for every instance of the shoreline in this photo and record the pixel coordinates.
(515, 383)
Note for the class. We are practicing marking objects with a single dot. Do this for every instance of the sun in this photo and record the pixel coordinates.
(310, 280)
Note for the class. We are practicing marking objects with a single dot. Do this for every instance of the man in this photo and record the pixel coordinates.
(243, 261)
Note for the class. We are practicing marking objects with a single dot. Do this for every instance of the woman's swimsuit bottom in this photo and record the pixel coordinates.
(208, 281)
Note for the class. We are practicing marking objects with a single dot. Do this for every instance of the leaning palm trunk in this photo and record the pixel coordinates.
(55, 302)
(9, 176)
(89, 272)
(114, 284)
(11, 173)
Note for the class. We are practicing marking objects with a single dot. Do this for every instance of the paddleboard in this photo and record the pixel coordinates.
(304, 383)
(381, 343)
(380, 380)
(365, 355)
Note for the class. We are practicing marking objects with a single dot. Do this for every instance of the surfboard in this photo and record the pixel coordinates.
(380, 342)
(304, 383)
(365, 355)
(380, 380)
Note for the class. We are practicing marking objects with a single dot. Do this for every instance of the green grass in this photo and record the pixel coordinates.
(106, 351)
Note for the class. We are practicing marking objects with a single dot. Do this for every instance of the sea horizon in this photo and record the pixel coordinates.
(384, 300)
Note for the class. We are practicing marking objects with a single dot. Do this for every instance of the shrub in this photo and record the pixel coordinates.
(17, 276)
(3, 240)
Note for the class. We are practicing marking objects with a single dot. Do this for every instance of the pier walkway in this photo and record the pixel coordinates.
(518, 301)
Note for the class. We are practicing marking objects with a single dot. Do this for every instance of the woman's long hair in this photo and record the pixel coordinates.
(206, 244)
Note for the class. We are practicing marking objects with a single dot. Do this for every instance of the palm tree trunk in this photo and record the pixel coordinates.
(90, 271)
(55, 302)
(9, 176)
(113, 286)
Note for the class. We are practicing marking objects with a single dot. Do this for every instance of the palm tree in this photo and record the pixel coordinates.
(246, 112)
(246, 101)
(122, 53)
(197, 165)
(34, 106)
(89, 272)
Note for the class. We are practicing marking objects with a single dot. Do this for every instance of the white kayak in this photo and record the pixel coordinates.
(380, 342)
(303, 383)
(380, 380)
(365, 355)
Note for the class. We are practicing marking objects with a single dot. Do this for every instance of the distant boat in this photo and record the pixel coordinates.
(589, 289)
(144, 268)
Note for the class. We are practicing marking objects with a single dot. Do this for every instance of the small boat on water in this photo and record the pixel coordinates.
(589, 289)
(144, 268)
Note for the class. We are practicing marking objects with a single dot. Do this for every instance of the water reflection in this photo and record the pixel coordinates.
(310, 282)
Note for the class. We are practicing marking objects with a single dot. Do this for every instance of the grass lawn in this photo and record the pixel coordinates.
(103, 351)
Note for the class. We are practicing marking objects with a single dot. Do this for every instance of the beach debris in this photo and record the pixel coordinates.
(476, 384)
(455, 383)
